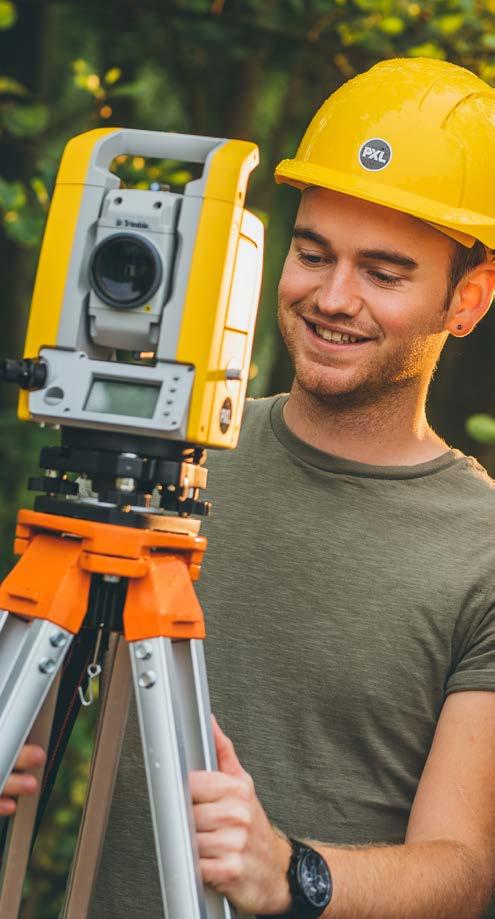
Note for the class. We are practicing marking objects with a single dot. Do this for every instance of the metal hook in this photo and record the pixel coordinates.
(93, 672)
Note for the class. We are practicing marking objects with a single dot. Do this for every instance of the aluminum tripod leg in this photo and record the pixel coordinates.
(114, 705)
(174, 716)
(20, 833)
(31, 654)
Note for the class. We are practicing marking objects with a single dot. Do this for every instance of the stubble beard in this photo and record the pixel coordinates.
(410, 366)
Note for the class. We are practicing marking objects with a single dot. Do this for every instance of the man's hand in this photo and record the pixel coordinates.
(241, 855)
(20, 782)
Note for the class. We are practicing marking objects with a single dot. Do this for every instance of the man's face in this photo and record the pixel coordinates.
(362, 296)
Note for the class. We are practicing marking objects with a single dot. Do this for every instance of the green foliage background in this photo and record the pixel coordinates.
(254, 69)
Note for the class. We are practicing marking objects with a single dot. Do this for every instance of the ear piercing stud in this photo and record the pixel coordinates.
(459, 327)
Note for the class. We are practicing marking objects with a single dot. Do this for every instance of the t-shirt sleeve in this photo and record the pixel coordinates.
(475, 666)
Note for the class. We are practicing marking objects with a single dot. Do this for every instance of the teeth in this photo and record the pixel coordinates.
(328, 335)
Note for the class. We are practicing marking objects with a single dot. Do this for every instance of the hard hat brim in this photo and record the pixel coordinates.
(463, 226)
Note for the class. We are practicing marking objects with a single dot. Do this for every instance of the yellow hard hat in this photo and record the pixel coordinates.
(416, 135)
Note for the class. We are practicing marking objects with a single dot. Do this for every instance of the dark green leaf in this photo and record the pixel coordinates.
(12, 195)
(25, 120)
(27, 229)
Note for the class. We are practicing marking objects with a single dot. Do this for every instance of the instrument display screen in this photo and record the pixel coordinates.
(121, 397)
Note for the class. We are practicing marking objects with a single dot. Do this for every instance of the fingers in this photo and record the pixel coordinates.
(222, 844)
(223, 873)
(7, 807)
(21, 783)
(17, 785)
(30, 757)
(207, 787)
(228, 761)
(225, 813)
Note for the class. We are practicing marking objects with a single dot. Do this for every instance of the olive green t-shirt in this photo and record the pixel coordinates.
(343, 602)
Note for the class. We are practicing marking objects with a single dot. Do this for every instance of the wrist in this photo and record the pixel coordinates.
(279, 896)
(309, 882)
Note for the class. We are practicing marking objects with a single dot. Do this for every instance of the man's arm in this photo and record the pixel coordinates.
(444, 870)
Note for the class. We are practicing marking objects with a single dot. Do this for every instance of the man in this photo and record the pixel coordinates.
(349, 586)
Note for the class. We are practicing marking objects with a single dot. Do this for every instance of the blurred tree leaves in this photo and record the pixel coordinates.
(324, 41)
(21, 117)
(481, 428)
(11, 87)
(24, 120)
(12, 195)
(8, 14)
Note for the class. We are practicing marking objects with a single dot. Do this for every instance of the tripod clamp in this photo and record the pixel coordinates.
(122, 480)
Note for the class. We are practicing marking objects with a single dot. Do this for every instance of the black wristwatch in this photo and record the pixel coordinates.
(310, 883)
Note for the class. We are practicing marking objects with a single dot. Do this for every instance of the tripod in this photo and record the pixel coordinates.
(115, 560)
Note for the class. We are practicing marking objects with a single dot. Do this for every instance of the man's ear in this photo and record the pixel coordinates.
(471, 299)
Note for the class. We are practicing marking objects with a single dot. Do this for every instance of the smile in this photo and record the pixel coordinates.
(336, 338)
(328, 335)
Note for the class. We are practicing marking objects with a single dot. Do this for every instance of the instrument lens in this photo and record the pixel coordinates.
(126, 271)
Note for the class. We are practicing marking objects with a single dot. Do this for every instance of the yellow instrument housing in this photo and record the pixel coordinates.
(223, 278)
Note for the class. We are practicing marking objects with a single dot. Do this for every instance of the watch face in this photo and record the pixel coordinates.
(314, 879)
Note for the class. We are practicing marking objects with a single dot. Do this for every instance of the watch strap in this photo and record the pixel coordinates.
(300, 908)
